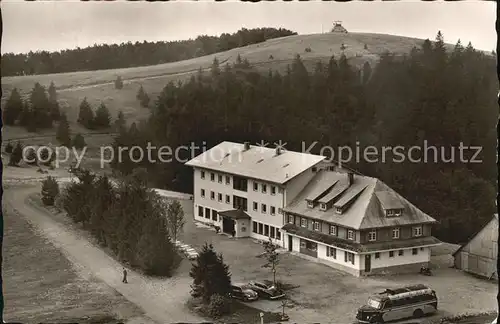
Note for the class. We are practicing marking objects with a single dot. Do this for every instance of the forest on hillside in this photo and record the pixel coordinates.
(125, 55)
(445, 99)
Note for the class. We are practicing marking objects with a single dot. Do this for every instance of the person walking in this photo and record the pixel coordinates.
(124, 276)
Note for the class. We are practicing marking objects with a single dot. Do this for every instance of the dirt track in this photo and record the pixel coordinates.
(161, 299)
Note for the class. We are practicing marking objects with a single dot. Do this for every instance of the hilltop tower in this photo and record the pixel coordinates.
(338, 28)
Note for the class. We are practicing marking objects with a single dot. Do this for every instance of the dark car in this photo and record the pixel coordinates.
(243, 292)
(267, 289)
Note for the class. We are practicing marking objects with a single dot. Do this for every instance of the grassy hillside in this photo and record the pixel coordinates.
(275, 54)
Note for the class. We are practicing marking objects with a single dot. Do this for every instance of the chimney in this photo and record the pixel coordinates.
(350, 177)
(278, 151)
(246, 146)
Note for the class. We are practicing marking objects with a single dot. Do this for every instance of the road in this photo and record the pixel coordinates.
(163, 300)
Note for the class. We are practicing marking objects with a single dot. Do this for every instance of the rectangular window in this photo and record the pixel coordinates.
(391, 254)
(310, 204)
(255, 227)
(200, 211)
(212, 195)
(228, 180)
(219, 196)
(273, 190)
(255, 186)
(228, 199)
(266, 230)
(278, 234)
(323, 206)
(333, 230)
(401, 252)
(212, 176)
(377, 255)
(290, 219)
(331, 252)
(372, 236)
(414, 251)
(395, 233)
(214, 215)
(240, 183)
(263, 208)
(349, 257)
(255, 206)
(261, 228)
(272, 232)
(203, 174)
(264, 188)
(316, 226)
(303, 222)
(350, 235)
(417, 231)
(220, 178)
(203, 193)
(273, 210)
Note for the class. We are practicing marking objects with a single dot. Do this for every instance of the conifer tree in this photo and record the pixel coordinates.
(55, 111)
(50, 190)
(86, 115)
(63, 131)
(13, 108)
(78, 141)
(119, 83)
(102, 117)
(17, 155)
(120, 122)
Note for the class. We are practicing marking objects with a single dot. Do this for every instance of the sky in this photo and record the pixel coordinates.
(56, 25)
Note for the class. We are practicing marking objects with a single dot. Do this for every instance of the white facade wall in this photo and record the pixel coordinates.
(423, 255)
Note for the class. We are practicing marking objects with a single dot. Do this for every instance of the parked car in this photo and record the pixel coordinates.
(243, 292)
(191, 253)
(266, 289)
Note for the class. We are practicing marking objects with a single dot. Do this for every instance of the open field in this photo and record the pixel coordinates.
(325, 295)
(98, 86)
(41, 285)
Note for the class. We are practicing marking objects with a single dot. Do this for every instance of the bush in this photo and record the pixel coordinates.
(119, 83)
(308, 50)
(9, 148)
(271, 57)
(50, 190)
(219, 306)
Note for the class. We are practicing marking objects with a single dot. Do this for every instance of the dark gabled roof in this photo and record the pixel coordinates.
(495, 217)
(358, 247)
(365, 210)
(234, 214)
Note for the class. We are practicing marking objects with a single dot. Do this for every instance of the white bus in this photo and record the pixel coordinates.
(395, 304)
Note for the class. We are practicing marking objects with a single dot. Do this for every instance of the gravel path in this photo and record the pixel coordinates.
(163, 300)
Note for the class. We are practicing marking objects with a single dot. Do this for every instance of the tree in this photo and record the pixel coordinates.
(272, 257)
(118, 83)
(120, 122)
(86, 115)
(145, 100)
(54, 105)
(63, 131)
(8, 148)
(175, 218)
(365, 47)
(13, 108)
(140, 93)
(102, 117)
(17, 155)
(210, 275)
(215, 68)
(40, 107)
(47, 156)
(30, 157)
(367, 72)
(50, 190)
(78, 142)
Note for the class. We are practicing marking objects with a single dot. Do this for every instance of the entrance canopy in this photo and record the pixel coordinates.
(234, 214)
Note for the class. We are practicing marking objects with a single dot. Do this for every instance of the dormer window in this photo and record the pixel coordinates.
(372, 236)
(310, 204)
(303, 222)
(338, 210)
(350, 235)
(393, 212)
(323, 206)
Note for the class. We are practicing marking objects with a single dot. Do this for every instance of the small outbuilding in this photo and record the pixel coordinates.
(479, 255)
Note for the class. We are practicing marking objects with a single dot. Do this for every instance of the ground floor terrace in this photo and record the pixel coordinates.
(238, 223)
(357, 259)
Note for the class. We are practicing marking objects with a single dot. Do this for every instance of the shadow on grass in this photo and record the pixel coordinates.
(240, 313)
